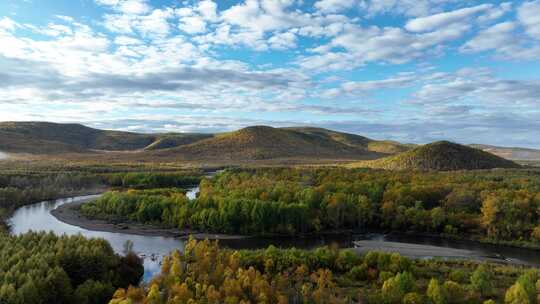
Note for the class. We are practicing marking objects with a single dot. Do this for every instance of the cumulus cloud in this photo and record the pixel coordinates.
(374, 44)
(154, 23)
(7, 24)
(283, 41)
(192, 24)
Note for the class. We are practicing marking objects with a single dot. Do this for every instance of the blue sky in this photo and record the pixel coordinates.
(408, 70)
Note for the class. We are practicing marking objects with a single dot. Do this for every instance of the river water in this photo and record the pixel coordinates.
(37, 217)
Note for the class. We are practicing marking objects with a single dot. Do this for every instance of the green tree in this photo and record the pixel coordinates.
(396, 287)
(516, 295)
(436, 292)
(93, 292)
(482, 280)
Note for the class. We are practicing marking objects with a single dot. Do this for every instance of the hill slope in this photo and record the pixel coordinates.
(513, 153)
(443, 156)
(262, 142)
(45, 138)
(353, 140)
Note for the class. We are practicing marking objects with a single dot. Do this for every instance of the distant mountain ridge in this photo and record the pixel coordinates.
(252, 144)
(440, 156)
(512, 153)
(46, 137)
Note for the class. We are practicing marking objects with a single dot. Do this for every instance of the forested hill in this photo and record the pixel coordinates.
(262, 142)
(443, 156)
(50, 138)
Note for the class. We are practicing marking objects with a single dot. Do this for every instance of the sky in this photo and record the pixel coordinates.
(408, 70)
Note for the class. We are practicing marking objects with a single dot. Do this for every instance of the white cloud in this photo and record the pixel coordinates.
(283, 41)
(495, 37)
(155, 23)
(505, 41)
(434, 22)
(529, 16)
(475, 86)
(7, 24)
(495, 13)
(192, 24)
(208, 9)
(65, 18)
(390, 83)
(56, 30)
(126, 40)
(130, 7)
(334, 6)
(264, 15)
(410, 8)
(329, 61)
(374, 44)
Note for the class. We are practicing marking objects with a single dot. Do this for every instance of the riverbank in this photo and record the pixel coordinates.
(420, 251)
(8, 213)
(70, 214)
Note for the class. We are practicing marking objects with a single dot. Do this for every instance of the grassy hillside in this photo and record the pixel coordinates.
(47, 138)
(444, 156)
(513, 153)
(262, 142)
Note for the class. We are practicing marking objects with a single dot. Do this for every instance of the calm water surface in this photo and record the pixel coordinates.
(37, 217)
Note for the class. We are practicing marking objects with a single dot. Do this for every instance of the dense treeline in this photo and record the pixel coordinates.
(144, 180)
(21, 189)
(44, 268)
(496, 206)
(155, 206)
(204, 273)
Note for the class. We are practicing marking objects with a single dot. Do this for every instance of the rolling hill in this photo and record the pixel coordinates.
(262, 142)
(353, 140)
(251, 143)
(50, 138)
(441, 156)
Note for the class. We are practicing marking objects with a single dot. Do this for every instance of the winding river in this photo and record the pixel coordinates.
(37, 217)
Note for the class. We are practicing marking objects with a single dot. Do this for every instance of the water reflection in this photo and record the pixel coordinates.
(38, 217)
